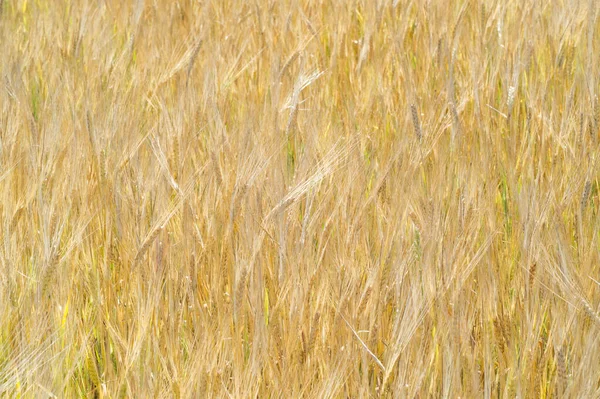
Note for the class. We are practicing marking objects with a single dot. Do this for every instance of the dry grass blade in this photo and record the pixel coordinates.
(377, 361)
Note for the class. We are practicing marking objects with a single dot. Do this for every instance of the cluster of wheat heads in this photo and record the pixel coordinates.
(299, 198)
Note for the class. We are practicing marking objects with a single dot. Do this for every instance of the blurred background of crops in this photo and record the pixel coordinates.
(299, 198)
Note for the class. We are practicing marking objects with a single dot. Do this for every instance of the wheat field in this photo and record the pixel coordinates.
(299, 199)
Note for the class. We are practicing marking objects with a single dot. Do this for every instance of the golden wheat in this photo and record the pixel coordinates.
(299, 198)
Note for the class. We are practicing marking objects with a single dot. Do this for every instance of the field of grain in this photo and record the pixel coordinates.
(299, 199)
